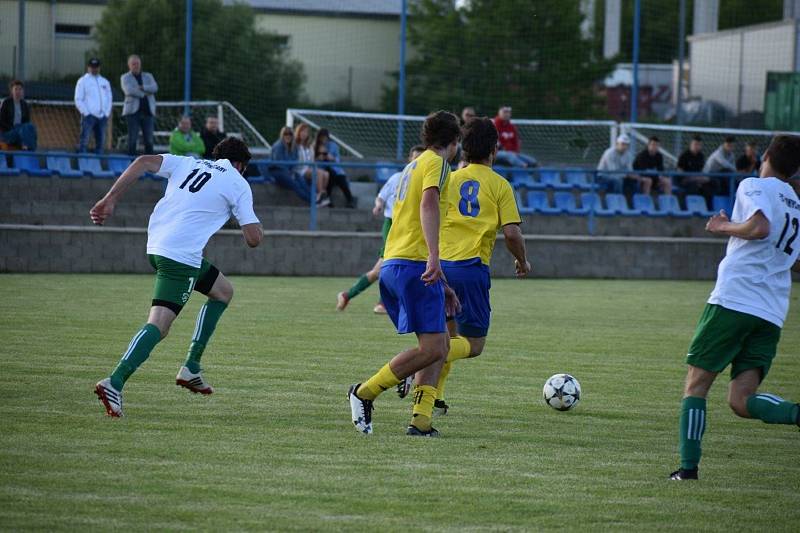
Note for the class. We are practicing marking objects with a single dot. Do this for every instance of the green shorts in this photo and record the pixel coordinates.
(726, 337)
(387, 225)
(176, 281)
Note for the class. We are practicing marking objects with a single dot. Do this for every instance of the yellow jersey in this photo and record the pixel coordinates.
(405, 239)
(479, 202)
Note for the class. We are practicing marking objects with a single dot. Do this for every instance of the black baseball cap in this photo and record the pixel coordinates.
(94, 62)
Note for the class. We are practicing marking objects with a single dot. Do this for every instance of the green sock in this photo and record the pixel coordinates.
(772, 409)
(693, 425)
(361, 285)
(207, 320)
(137, 353)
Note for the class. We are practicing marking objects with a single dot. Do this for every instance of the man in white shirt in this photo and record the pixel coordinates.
(384, 203)
(93, 100)
(200, 198)
(742, 322)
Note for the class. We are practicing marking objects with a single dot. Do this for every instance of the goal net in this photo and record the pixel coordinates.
(58, 124)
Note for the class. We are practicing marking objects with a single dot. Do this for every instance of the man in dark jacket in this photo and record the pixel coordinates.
(651, 160)
(692, 161)
(15, 118)
(211, 135)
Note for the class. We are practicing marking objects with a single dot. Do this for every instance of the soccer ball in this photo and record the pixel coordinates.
(562, 392)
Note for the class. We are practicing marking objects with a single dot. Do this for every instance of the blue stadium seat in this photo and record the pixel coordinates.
(523, 179)
(29, 164)
(382, 174)
(722, 202)
(4, 169)
(591, 200)
(91, 167)
(578, 179)
(523, 208)
(619, 205)
(697, 206)
(538, 201)
(644, 204)
(117, 165)
(62, 165)
(669, 204)
(566, 203)
(552, 179)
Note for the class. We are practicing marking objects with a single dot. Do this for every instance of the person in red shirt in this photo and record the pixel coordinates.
(508, 141)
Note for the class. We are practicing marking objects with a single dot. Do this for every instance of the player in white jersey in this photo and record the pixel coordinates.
(384, 202)
(199, 199)
(742, 321)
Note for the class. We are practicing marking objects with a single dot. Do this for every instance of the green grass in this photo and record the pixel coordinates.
(274, 449)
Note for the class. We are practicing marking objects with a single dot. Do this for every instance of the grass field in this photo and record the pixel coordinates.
(274, 448)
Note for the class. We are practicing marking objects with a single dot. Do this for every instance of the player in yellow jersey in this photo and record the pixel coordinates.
(480, 202)
(413, 288)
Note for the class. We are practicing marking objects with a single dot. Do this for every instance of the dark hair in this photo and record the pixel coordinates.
(232, 149)
(440, 129)
(697, 138)
(783, 154)
(479, 139)
(653, 138)
(14, 83)
(416, 148)
(730, 139)
(323, 132)
(751, 144)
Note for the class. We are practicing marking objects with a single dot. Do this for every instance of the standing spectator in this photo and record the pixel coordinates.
(326, 149)
(185, 141)
(285, 150)
(617, 162)
(15, 118)
(139, 108)
(93, 100)
(211, 135)
(508, 141)
(467, 114)
(651, 159)
(749, 162)
(305, 154)
(693, 160)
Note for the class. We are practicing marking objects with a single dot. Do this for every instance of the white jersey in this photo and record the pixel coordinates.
(200, 198)
(388, 193)
(755, 277)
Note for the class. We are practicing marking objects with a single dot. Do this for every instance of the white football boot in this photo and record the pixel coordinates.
(193, 382)
(111, 397)
(361, 411)
(405, 386)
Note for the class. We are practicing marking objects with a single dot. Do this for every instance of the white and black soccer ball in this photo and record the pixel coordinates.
(562, 392)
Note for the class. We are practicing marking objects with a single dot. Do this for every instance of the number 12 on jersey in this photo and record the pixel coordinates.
(795, 224)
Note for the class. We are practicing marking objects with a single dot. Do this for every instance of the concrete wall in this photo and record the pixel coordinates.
(299, 253)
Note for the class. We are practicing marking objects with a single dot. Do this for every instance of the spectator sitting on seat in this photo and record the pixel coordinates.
(650, 159)
(749, 162)
(139, 108)
(284, 149)
(326, 149)
(508, 142)
(211, 135)
(15, 118)
(93, 100)
(185, 141)
(693, 160)
(722, 159)
(305, 154)
(617, 162)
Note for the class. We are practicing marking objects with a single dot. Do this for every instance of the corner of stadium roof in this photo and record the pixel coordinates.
(329, 8)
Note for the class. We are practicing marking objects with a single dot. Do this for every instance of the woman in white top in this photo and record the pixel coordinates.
(305, 153)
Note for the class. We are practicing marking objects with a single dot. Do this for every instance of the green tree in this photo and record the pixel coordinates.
(231, 58)
(525, 53)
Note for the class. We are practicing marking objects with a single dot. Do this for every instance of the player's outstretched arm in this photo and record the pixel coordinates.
(429, 217)
(515, 243)
(754, 228)
(253, 233)
(105, 207)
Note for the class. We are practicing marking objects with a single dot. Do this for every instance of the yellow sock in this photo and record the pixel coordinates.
(383, 380)
(442, 379)
(459, 349)
(421, 414)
